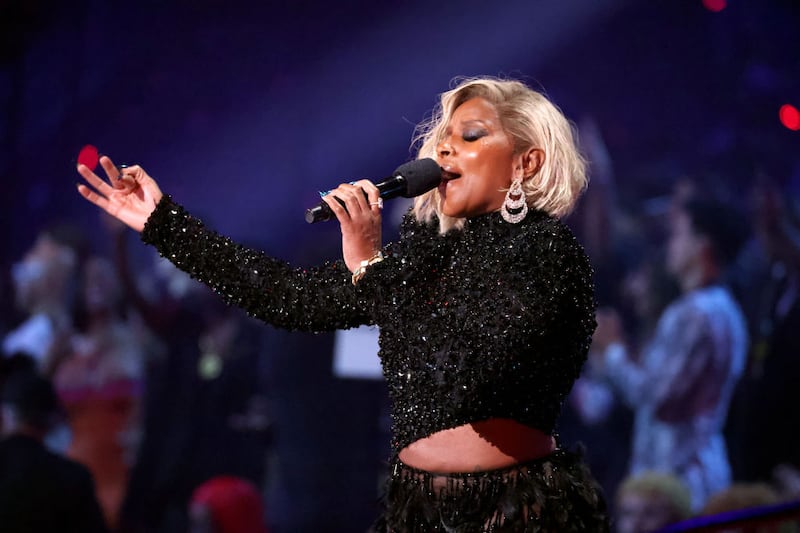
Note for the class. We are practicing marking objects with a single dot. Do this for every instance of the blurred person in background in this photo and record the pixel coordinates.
(45, 281)
(39, 490)
(680, 386)
(645, 290)
(649, 501)
(762, 422)
(205, 407)
(741, 496)
(98, 373)
(226, 504)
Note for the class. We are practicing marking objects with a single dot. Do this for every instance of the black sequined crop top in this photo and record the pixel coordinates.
(490, 321)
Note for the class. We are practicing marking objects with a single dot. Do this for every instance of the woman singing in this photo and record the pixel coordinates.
(485, 308)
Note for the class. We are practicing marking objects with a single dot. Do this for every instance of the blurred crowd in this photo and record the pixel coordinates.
(135, 401)
(148, 393)
(684, 404)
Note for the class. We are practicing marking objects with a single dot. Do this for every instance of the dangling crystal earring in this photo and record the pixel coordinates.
(514, 207)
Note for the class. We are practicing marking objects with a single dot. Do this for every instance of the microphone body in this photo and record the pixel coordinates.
(408, 180)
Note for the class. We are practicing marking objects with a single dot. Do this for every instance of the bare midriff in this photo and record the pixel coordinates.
(478, 446)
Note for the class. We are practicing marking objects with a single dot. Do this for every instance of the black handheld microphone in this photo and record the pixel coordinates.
(409, 180)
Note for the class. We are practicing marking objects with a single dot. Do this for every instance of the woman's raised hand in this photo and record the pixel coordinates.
(359, 218)
(130, 195)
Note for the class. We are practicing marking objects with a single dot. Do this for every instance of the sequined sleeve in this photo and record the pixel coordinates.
(315, 299)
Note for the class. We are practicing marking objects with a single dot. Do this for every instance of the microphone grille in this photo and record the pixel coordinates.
(420, 176)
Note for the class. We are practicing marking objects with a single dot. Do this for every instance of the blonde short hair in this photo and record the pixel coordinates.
(532, 121)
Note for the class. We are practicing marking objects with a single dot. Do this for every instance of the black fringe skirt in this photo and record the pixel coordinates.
(554, 494)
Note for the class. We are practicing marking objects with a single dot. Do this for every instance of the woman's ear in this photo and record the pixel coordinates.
(532, 161)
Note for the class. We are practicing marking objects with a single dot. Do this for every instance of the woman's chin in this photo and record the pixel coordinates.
(449, 209)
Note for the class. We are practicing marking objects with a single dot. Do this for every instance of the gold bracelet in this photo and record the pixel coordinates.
(359, 272)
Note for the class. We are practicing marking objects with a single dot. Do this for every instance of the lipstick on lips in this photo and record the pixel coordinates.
(447, 176)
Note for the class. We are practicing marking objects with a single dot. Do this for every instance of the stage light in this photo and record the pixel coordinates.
(715, 5)
(88, 156)
(790, 117)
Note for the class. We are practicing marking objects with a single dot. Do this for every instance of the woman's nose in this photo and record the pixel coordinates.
(444, 149)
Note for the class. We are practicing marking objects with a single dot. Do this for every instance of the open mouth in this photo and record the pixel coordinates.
(447, 176)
